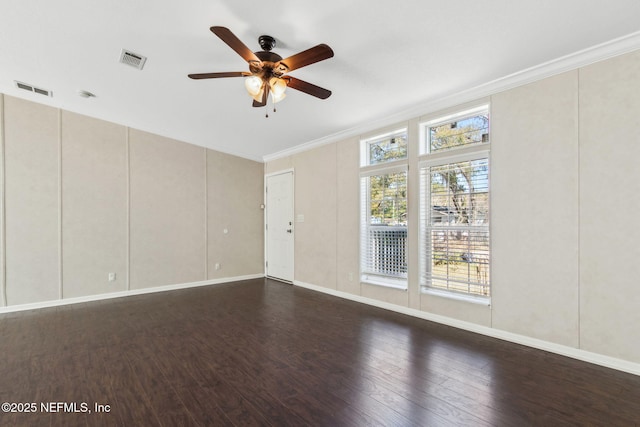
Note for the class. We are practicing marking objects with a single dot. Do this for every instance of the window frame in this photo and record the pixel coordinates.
(464, 153)
(457, 115)
(365, 159)
(368, 170)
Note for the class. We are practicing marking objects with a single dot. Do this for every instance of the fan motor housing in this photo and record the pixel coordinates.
(268, 56)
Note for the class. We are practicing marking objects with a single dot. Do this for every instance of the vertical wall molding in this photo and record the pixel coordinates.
(3, 223)
(579, 225)
(60, 207)
(128, 208)
(206, 214)
(335, 221)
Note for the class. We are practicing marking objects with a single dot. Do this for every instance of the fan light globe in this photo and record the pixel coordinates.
(253, 84)
(278, 87)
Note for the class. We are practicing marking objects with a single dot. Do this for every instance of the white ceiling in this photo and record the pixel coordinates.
(389, 57)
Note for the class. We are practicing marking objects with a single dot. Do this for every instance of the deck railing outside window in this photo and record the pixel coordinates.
(388, 254)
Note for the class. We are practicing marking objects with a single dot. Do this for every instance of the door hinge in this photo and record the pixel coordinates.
(266, 264)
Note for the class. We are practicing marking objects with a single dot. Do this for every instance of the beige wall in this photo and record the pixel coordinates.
(609, 202)
(94, 217)
(534, 209)
(31, 138)
(241, 248)
(347, 224)
(315, 238)
(564, 183)
(167, 187)
(85, 198)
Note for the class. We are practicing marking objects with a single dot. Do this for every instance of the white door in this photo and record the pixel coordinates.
(279, 226)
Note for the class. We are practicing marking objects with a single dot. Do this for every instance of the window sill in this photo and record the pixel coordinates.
(459, 297)
(400, 284)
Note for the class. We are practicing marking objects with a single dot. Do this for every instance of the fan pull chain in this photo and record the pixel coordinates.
(274, 109)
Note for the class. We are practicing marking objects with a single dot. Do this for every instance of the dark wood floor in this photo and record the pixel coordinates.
(265, 353)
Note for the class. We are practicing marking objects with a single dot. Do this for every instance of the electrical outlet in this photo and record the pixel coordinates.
(217, 266)
(112, 277)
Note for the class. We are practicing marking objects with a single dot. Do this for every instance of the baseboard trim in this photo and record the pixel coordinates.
(132, 292)
(574, 353)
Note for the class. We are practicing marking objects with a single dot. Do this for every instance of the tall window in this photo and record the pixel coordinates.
(383, 190)
(454, 173)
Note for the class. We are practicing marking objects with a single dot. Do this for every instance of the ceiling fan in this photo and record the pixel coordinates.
(268, 71)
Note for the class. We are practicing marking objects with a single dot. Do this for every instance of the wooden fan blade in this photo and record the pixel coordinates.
(308, 88)
(234, 43)
(218, 75)
(307, 57)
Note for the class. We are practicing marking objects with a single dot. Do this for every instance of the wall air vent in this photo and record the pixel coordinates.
(31, 88)
(133, 59)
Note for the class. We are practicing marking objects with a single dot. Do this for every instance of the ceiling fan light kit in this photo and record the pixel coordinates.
(268, 72)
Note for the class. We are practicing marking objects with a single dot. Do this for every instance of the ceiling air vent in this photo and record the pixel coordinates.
(133, 59)
(34, 89)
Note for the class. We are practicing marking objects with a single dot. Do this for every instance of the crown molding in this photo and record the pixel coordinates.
(600, 52)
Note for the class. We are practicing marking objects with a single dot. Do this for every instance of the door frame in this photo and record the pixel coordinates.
(264, 229)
